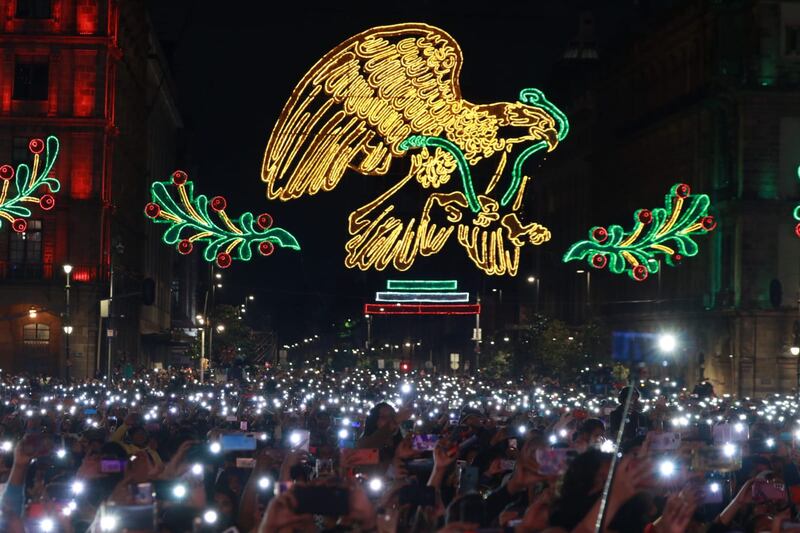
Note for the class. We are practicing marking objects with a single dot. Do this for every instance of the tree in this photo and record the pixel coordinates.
(496, 365)
(547, 346)
(235, 340)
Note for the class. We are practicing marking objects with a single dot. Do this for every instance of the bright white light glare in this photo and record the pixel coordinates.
(522, 430)
(7, 446)
(343, 433)
(607, 446)
(375, 484)
(406, 388)
(47, 525)
(666, 468)
(729, 449)
(108, 523)
(739, 427)
(179, 491)
(295, 438)
(667, 342)
(197, 469)
(770, 442)
(210, 516)
(215, 447)
(714, 487)
(61, 453)
(77, 487)
(553, 439)
(263, 436)
(562, 433)
(263, 483)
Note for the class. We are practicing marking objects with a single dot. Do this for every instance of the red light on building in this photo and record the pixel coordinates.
(405, 366)
(82, 167)
(86, 17)
(83, 273)
(421, 309)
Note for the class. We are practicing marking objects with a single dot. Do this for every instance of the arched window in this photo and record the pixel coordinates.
(36, 334)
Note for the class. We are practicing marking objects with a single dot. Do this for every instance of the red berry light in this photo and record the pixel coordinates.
(36, 146)
(185, 246)
(676, 258)
(264, 221)
(797, 230)
(224, 260)
(152, 210)
(179, 177)
(640, 273)
(600, 234)
(645, 216)
(6, 172)
(709, 223)
(19, 225)
(47, 202)
(682, 190)
(599, 261)
(266, 248)
(218, 203)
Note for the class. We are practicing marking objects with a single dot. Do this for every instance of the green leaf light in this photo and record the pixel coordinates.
(27, 181)
(663, 232)
(191, 222)
(797, 212)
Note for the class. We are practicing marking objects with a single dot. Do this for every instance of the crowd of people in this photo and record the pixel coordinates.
(311, 449)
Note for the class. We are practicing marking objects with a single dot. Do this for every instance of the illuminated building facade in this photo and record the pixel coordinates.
(705, 93)
(91, 73)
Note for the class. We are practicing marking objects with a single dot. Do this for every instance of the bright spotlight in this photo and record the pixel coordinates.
(667, 342)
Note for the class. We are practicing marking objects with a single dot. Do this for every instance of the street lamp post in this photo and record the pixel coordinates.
(67, 323)
(534, 280)
(588, 289)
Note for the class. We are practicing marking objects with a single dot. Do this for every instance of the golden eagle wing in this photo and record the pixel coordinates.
(358, 103)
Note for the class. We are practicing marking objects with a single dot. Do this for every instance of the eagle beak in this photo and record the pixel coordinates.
(551, 138)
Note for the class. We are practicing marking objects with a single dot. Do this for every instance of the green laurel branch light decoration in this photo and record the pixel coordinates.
(666, 232)
(191, 222)
(27, 182)
(796, 212)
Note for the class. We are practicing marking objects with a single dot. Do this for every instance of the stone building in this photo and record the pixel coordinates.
(706, 93)
(91, 73)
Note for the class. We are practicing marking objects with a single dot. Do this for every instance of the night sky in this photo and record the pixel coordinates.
(234, 66)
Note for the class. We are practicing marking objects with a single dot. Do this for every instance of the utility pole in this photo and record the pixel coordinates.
(478, 335)
(110, 333)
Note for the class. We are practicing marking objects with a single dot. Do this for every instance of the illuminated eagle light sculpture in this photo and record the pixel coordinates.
(393, 92)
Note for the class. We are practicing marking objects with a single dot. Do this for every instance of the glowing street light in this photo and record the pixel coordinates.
(220, 328)
(794, 350)
(667, 342)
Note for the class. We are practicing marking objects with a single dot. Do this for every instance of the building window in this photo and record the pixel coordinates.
(34, 9)
(36, 334)
(20, 152)
(792, 41)
(31, 79)
(25, 252)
